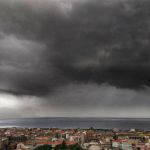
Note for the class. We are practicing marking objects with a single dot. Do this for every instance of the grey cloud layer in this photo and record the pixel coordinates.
(47, 44)
(79, 101)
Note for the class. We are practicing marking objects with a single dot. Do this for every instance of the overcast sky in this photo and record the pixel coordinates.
(81, 58)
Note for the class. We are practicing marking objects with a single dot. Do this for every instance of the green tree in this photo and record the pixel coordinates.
(44, 147)
(57, 147)
(56, 135)
(74, 147)
(63, 145)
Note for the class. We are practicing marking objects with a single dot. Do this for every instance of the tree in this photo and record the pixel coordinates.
(63, 145)
(44, 147)
(56, 135)
(74, 147)
(57, 147)
(91, 128)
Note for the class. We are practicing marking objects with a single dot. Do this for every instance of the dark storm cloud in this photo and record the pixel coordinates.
(47, 44)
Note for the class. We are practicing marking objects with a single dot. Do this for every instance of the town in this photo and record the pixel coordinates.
(16, 138)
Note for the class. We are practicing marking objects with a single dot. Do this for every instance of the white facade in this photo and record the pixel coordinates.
(55, 139)
(93, 143)
(20, 146)
(67, 136)
(115, 143)
(125, 146)
(116, 129)
(132, 130)
(85, 145)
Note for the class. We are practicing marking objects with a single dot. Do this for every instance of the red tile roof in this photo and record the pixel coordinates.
(116, 141)
(49, 142)
(13, 144)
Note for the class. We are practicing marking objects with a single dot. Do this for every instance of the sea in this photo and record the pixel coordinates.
(74, 123)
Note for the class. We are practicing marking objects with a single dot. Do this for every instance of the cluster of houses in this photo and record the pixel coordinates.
(15, 138)
(29, 138)
(126, 140)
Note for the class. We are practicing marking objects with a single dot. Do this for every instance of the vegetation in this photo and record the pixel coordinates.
(74, 147)
(57, 147)
(44, 147)
(56, 135)
(64, 146)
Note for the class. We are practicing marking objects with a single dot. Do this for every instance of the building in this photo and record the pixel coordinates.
(116, 143)
(124, 145)
(24, 146)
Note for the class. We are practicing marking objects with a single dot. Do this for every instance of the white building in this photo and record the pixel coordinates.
(116, 143)
(125, 145)
(132, 130)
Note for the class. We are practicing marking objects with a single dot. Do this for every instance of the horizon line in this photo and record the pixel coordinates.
(75, 117)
